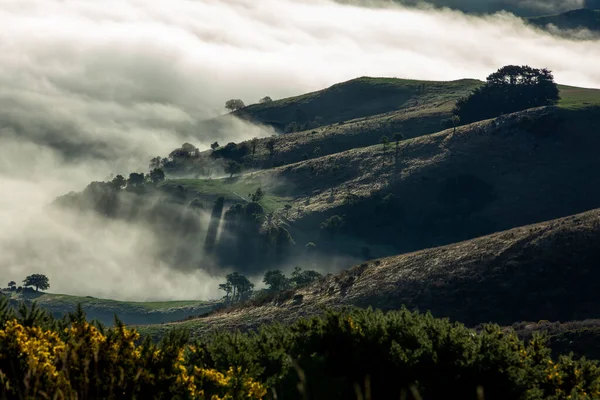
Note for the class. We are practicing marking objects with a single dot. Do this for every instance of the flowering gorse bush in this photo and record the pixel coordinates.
(340, 355)
(78, 360)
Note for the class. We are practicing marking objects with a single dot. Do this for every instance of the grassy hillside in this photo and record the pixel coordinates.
(420, 116)
(104, 310)
(486, 177)
(570, 20)
(546, 271)
(357, 98)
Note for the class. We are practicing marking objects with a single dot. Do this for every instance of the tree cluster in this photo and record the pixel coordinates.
(512, 88)
(237, 287)
(277, 281)
(37, 281)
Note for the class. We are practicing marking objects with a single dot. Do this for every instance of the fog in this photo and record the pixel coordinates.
(94, 88)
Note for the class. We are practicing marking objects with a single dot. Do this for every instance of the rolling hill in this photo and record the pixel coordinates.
(546, 271)
(574, 20)
(105, 310)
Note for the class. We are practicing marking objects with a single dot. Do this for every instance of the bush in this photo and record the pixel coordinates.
(383, 355)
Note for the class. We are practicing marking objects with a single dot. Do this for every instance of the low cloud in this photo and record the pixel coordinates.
(94, 88)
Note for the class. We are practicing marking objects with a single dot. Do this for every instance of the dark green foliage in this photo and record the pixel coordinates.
(276, 280)
(233, 168)
(135, 179)
(239, 286)
(332, 225)
(257, 195)
(396, 352)
(302, 278)
(38, 281)
(270, 145)
(512, 88)
(118, 182)
(234, 104)
(157, 175)
(232, 151)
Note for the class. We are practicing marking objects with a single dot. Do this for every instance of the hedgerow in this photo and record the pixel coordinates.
(339, 355)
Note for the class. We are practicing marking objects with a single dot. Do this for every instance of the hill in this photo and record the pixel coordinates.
(354, 99)
(546, 271)
(573, 20)
(105, 310)
(421, 115)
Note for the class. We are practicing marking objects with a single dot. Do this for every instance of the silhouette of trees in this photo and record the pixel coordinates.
(238, 285)
(233, 168)
(38, 281)
(512, 88)
(276, 280)
(257, 195)
(234, 104)
(253, 145)
(157, 175)
(265, 99)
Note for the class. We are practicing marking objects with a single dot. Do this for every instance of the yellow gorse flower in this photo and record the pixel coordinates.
(50, 362)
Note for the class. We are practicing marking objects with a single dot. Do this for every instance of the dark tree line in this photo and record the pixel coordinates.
(512, 88)
(37, 281)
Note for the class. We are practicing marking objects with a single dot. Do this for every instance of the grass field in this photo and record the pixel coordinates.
(235, 189)
(104, 309)
(577, 98)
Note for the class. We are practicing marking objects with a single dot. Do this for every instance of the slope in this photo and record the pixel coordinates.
(573, 20)
(105, 310)
(357, 98)
(546, 271)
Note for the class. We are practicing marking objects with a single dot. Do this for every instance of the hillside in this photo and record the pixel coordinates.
(546, 271)
(422, 115)
(357, 98)
(104, 310)
(573, 20)
(486, 177)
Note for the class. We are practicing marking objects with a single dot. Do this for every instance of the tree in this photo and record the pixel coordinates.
(234, 104)
(157, 175)
(253, 145)
(118, 182)
(397, 138)
(135, 179)
(270, 145)
(385, 143)
(512, 88)
(233, 168)
(276, 280)
(38, 281)
(302, 278)
(265, 99)
(257, 195)
(214, 146)
(12, 285)
(240, 286)
(228, 288)
(155, 162)
(332, 225)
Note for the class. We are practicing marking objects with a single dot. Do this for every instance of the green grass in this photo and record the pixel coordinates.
(235, 189)
(128, 311)
(357, 98)
(577, 98)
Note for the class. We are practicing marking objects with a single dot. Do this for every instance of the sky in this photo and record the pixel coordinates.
(95, 88)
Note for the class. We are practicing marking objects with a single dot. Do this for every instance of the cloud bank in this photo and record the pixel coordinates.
(93, 88)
